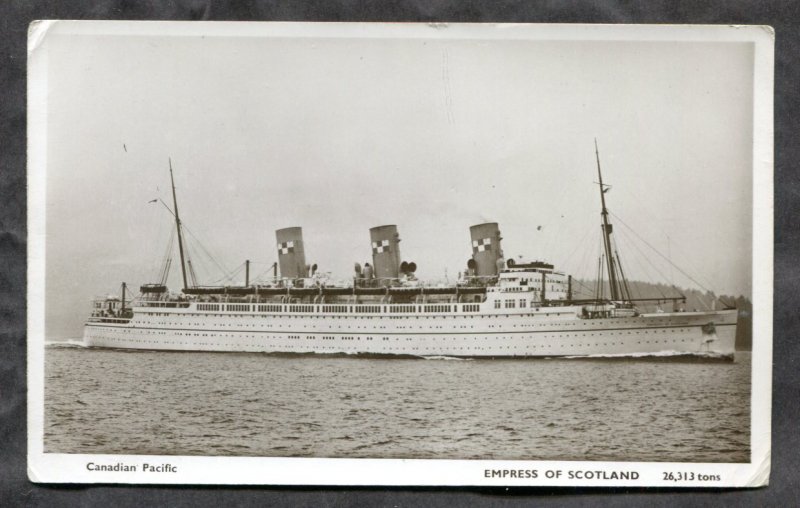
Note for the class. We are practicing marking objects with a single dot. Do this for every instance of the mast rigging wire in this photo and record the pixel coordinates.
(662, 255)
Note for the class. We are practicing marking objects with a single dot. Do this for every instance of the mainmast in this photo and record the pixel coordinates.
(178, 225)
(612, 275)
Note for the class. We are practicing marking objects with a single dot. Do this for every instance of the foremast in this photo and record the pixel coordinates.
(616, 279)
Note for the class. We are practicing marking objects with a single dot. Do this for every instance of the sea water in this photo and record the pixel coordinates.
(183, 403)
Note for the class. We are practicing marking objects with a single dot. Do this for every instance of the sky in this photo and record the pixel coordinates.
(432, 133)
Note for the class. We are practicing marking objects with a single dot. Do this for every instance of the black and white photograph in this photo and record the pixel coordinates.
(399, 254)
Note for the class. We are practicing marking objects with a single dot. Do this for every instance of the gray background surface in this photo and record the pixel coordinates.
(15, 15)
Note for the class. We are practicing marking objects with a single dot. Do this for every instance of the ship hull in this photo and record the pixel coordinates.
(709, 334)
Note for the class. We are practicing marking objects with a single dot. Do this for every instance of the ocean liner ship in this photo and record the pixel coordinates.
(498, 308)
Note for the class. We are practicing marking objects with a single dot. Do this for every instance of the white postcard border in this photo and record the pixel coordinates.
(75, 468)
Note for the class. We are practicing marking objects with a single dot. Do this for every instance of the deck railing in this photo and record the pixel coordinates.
(318, 308)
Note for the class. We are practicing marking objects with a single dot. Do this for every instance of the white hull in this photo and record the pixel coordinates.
(541, 332)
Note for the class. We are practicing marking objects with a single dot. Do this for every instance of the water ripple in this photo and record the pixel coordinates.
(109, 401)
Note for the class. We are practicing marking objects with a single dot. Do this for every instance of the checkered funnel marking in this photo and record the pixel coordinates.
(380, 247)
(481, 245)
(286, 247)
